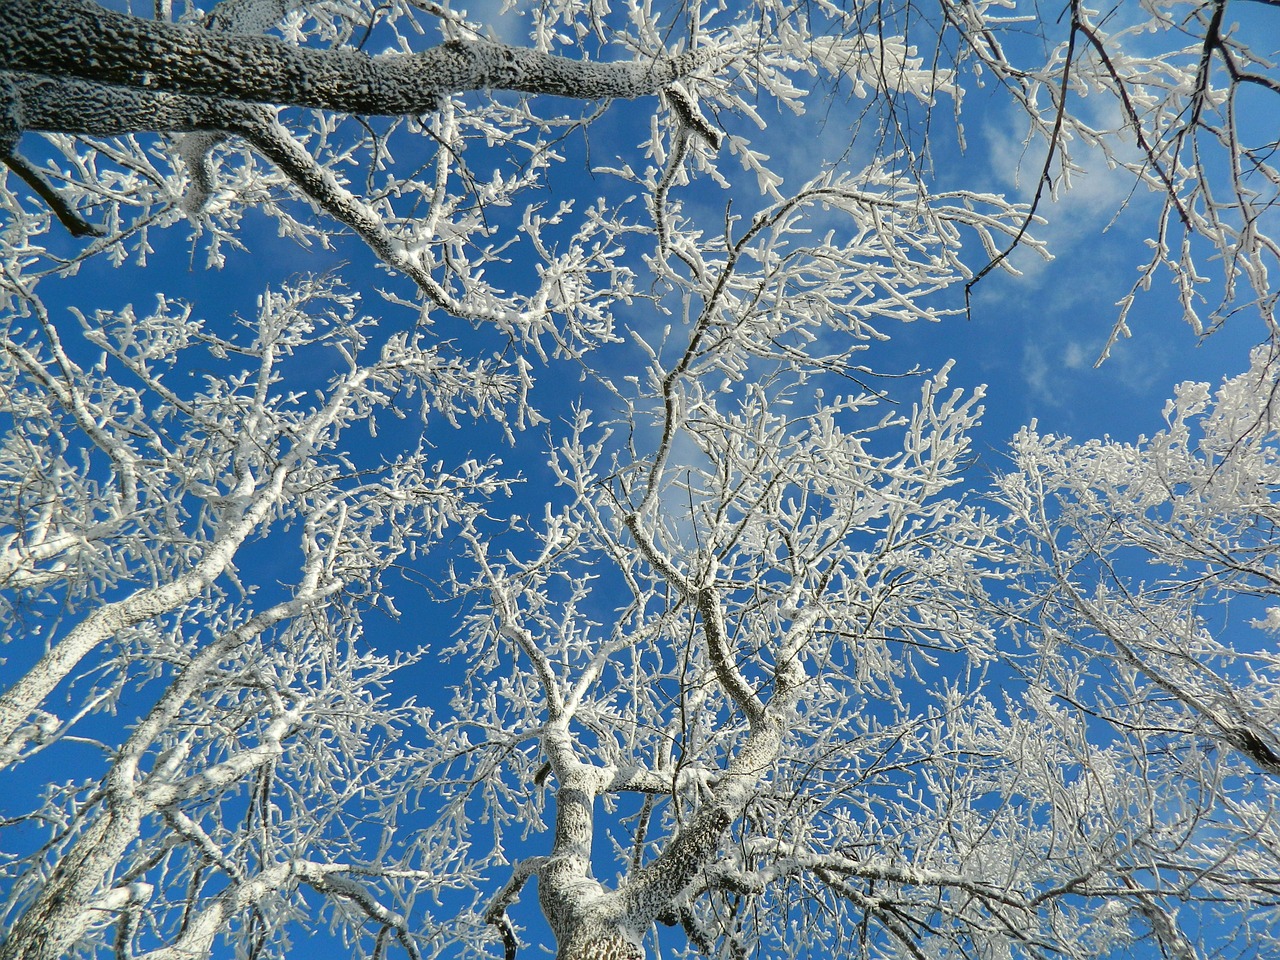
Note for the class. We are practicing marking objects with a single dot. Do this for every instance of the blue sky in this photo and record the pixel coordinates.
(1032, 340)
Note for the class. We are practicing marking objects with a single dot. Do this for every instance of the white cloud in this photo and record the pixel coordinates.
(1076, 357)
(1099, 197)
(1036, 373)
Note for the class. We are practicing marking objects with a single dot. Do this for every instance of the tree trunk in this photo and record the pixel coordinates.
(608, 946)
(66, 906)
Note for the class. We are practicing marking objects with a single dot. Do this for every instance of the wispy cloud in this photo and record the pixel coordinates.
(1094, 200)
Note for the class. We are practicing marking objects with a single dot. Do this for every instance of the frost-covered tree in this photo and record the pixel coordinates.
(1145, 585)
(725, 667)
(132, 492)
(1180, 89)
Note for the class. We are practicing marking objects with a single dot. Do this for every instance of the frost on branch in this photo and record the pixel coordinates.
(1176, 109)
(139, 528)
(1136, 569)
(739, 652)
(1139, 539)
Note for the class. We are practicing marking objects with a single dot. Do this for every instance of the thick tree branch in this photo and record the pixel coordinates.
(54, 105)
(77, 38)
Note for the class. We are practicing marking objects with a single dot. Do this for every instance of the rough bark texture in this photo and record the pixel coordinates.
(79, 39)
(44, 104)
(608, 947)
(66, 906)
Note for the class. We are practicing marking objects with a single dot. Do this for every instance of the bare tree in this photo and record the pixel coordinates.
(1146, 583)
(129, 501)
(1178, 117)
(747, 644)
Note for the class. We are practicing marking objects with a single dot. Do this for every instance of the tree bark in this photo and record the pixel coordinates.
(79, 39)
(600, 947)
(66, 907)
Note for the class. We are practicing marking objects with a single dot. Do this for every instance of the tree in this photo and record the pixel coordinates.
(747, 643)
(1132, 563)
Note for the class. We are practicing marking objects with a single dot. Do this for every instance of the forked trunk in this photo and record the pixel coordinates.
(588, 921)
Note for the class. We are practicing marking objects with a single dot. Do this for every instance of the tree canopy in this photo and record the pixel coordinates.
(592, 546)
